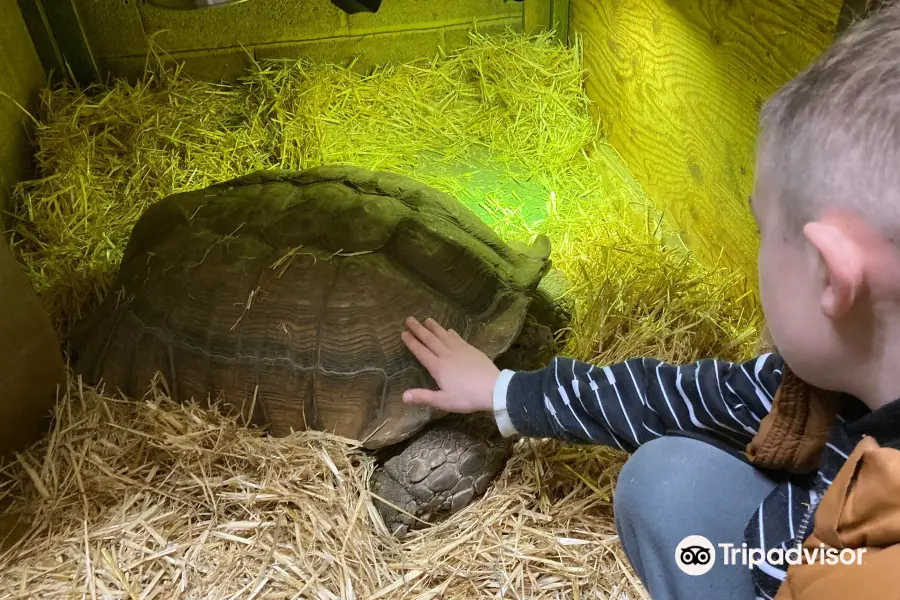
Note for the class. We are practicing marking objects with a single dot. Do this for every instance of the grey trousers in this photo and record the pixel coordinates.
(674, 487)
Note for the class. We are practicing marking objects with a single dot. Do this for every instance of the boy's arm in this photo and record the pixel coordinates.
(630, 403)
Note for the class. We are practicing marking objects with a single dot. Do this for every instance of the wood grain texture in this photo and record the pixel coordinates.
(677, 85)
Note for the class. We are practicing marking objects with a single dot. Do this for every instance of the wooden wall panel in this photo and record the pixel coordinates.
(677, 85)
(21, 77)
(218, 43)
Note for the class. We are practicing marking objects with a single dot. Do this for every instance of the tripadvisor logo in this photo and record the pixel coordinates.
(696, 555)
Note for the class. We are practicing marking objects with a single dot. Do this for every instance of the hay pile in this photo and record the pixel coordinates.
(149, 500)
(152, 500)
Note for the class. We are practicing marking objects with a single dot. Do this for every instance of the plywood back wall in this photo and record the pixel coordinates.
(215, 42)
(678, 85)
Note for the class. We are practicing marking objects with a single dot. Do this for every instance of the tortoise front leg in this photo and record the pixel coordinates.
(440, 471)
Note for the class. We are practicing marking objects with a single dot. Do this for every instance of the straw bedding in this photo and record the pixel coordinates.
(152, 500)
(149, 499)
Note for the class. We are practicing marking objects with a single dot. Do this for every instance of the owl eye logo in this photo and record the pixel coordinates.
(695, 555)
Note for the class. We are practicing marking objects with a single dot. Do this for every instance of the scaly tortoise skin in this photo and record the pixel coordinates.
(282, 294)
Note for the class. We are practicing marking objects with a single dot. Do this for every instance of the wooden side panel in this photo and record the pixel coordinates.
(21, 77)
(34, 374)
(677, 85)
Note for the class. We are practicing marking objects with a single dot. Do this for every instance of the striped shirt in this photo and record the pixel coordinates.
(627, 404)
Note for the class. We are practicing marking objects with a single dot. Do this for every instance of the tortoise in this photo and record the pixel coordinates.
(281, 295)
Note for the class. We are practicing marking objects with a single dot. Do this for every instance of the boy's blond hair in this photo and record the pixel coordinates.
(830, 138)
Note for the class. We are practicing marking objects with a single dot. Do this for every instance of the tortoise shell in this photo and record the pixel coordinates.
(282, 294)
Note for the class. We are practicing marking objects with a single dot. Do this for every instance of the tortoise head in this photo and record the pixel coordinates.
(543, 331)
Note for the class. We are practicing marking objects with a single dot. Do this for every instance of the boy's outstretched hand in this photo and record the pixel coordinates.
(465, 375)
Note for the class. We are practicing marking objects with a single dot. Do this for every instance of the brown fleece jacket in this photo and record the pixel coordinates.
(860, 510)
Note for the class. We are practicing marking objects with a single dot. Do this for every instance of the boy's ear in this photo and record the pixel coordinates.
(843, 262)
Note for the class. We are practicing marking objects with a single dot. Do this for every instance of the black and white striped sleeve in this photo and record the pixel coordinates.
(629, 403)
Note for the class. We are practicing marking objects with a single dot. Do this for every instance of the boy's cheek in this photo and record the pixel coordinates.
(773, 304)
(791, 324)
(765, 276)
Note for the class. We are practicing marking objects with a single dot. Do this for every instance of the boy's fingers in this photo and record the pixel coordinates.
(417, 396)
(426, 397)
(438, 331)
(420, 351)
(455, 338)
(425, 336)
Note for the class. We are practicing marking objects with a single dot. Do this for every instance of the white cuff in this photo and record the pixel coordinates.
(501, 416)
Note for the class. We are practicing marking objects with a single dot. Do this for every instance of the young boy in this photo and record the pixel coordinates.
(783, 449)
